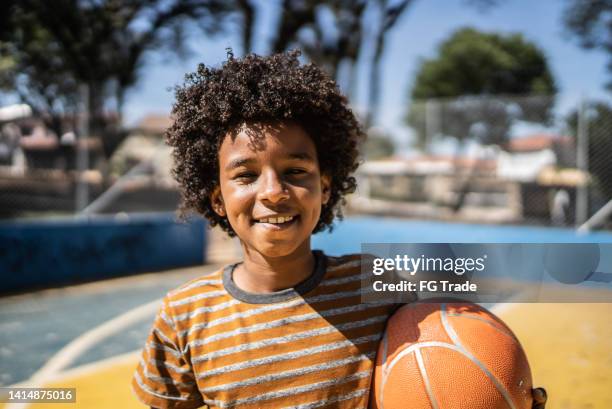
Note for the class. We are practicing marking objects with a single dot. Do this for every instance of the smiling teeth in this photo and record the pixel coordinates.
(276, 220)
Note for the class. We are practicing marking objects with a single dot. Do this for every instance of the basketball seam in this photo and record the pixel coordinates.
(455, 338)
(425, 377)
(452, 347)
(486, 322)
(384, 369)
(412, 347)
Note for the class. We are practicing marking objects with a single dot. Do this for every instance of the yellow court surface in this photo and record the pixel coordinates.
(107, 386)
(569, 348)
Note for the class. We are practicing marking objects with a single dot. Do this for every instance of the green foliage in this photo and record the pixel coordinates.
(599, 130)
(472, 63)
(590, 22)
(475, 63)
(8, 67)
(34, 67)
(57, 46)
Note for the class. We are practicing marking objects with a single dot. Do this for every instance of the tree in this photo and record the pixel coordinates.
(471, 65)
(589, 21)
(57, 47)
(388, 16)
(49, 50)
(330, 32)
(599, 130)
(335, 33)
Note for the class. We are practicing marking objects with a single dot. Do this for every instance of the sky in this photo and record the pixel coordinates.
(578, 73)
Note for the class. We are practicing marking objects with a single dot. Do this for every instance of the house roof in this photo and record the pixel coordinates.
(537, 142)
(428, 164)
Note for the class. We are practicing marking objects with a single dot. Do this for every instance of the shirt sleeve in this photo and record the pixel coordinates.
(164, 378)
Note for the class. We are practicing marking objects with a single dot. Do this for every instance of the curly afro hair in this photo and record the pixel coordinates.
(214, 102)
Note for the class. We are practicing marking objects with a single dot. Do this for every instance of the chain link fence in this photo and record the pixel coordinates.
(496, 159)
(595, 123)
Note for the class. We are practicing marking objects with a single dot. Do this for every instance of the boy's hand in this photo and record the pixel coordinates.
(539, 398)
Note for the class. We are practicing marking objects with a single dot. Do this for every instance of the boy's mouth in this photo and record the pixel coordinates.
(276, 223)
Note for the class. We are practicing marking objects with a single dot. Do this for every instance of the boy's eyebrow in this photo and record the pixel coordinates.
(236, 163)
(300, 156)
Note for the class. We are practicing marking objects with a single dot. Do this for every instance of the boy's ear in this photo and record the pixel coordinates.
(325, 188)
(216, 201)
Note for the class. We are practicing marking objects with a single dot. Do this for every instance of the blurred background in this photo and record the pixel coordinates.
(486, 120)
(479, 110)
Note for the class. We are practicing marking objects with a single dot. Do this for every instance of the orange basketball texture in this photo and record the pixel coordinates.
(450, 356)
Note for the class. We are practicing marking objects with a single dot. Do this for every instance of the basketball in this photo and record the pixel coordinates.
(450, 356)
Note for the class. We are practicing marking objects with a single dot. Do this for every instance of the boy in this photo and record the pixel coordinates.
(264, 147)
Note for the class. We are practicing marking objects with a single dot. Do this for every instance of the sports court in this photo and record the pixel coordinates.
(456, 123)
(89, 336)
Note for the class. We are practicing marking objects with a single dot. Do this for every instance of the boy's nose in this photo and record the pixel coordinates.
(273, 188)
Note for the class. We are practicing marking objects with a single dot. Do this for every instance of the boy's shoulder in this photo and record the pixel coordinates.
(348, 260)
(210, 283)
(345, 265)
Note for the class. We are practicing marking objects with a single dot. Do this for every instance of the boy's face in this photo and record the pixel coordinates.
(271, 188)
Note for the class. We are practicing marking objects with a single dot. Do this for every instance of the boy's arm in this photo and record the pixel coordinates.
(164, 377)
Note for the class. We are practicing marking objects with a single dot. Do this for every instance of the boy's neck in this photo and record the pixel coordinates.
(259, 274)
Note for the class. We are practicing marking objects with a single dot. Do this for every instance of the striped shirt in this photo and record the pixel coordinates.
(310, 346)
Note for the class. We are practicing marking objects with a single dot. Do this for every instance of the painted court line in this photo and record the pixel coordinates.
(97, 366)
(75, 348)
(68, 354)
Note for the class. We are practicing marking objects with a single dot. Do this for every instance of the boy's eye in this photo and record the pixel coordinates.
(245, 176)
(296, 171)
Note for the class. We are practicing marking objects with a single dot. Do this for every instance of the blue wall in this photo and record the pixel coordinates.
(35, 254)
